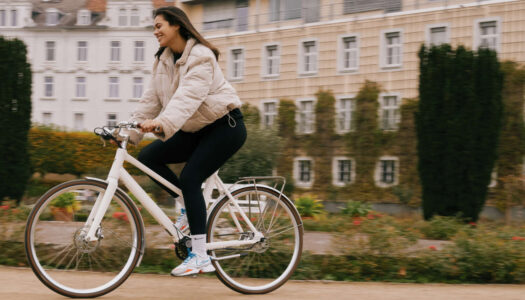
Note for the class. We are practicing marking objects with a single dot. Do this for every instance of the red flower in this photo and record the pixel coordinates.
(371, 216)
(432, 247)
(357, 222)
(473, 224)
(120, 215)
(518, 238)
(4, 207)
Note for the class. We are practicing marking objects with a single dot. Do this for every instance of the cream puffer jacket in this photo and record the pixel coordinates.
(186, 95)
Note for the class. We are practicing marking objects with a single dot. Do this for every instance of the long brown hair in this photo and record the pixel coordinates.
(176, 16)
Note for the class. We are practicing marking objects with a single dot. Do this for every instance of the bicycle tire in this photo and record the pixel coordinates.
(38, 244)
(261, 277)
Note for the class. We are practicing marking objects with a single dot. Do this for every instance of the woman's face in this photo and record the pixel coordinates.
(164, 32)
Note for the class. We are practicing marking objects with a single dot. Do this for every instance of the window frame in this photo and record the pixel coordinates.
(338, 110)
(135, 85)
(266, 58)
(397, 121)
(108, 119)
(336, 171)
(297, 172)
(44, 114)
(233, 63)
(123, 17)
(80, 52)
(341, 53)
(384, 49)
(477, 32)
(117, 51)
(75, 114)
(84, 17)
(134, 17)
(299, 112)
(139, 52)
(53, 52)
(50, 84)
(113, 86)
(273, 115)
(378, 176)
(428, 33)
(302, 57)
(49, 13)
(80, 86)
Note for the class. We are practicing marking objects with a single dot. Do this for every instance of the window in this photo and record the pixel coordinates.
(237, 64)
(134, 20)
(3, 17)
(81, 87)
(272, 60)
(312, 10)
(488, 35)
(47, 118)
(48, 86)
(82, 51)
(219, 14)
(111, 119)
(389, 112)
(392, 50)
(349, 54)
(123, 17)
(387, 172)
(438, 36)
(309, 57)
(84, 17)
(50, 51)
(113, 87)
(137, 87)
(285, 9)
(303, 173)
(139, 50)
(79, 121)
(342, 172)
(345, 115)
(242, 7)
(269, 109)
(14, 19)
(306, 117)
(115, 51)
(51, 17)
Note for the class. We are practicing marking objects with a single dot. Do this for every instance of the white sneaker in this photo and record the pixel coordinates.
(193, 265)
(182, 220)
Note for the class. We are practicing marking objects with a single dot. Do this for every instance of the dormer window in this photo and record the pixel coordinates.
(52, 17)
(134, 20)
(84, 17)
(123, 17)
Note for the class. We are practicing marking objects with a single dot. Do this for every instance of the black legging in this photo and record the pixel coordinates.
(204, 152)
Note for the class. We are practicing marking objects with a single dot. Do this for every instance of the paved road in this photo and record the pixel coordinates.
(21, 284)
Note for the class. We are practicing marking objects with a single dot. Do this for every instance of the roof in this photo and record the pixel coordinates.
(67, 12)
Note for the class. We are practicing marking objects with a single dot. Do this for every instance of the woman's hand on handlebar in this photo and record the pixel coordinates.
(150, 126)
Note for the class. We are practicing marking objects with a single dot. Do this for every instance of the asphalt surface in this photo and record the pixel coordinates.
(21, 284)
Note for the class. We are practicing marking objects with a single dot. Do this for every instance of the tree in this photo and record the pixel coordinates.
(15, 113)
(458, 124)
(258, 155)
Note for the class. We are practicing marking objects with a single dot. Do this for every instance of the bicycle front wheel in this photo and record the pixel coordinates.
(268, 264)
(58, 252)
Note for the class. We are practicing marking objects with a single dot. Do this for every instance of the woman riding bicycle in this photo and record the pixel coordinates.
(195, 113)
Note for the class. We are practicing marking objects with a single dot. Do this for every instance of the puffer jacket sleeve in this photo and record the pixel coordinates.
(148, 108)
(192, 91)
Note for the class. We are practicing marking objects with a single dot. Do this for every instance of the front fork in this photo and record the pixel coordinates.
(104, 199)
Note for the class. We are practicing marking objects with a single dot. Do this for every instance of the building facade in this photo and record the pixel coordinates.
(92, 59)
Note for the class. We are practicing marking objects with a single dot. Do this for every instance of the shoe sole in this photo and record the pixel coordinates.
(207, 269)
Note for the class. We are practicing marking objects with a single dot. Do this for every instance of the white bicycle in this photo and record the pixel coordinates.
(89, 248)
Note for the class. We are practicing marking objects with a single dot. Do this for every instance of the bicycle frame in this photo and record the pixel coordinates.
(118, 172)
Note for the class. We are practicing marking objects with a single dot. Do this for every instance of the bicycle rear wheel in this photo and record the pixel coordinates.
(60, 256)
(268, 264)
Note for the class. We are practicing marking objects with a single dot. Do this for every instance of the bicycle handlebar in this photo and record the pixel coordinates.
(107, 133)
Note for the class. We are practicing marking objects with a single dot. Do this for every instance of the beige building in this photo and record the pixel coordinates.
(274, 49)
